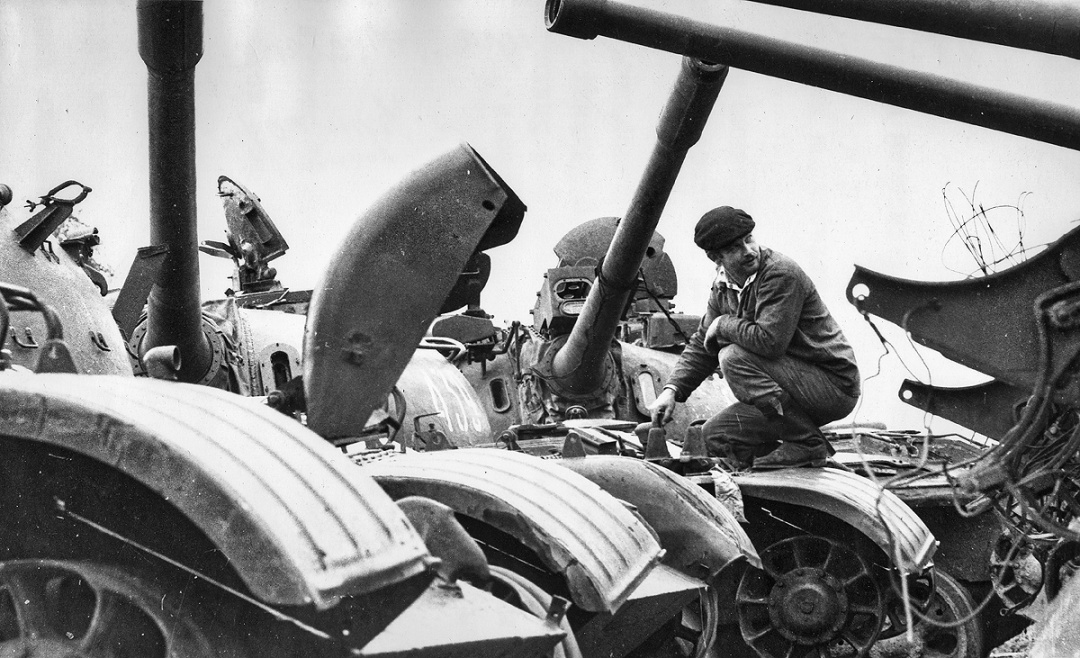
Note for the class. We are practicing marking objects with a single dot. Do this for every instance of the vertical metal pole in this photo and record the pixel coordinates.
(170, 43)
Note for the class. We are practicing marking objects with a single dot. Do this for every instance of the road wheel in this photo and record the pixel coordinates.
(812, 598)
(74, 609)
(939, 635)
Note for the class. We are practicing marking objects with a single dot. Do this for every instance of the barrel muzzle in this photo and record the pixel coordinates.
(577, 19)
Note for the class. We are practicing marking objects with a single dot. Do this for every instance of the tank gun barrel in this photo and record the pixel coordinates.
(580, 362)
(1037, 25)
(915, 90)
(171, 44)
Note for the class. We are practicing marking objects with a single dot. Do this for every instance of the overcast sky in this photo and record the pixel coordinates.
(319, 107)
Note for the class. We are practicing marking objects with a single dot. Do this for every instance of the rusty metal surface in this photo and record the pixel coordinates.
(1049, 27)
(576, 528)
(699, 535)
(59, 282)
(388, 280)
(298, 521)
(460, 621)
(932, 94)
(857, 501)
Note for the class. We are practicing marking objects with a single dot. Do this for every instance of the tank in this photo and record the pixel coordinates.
(163, 518)
(1002, 509)
(567, 388)
(303, 533)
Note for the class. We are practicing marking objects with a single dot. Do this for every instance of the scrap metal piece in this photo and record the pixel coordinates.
(988, 323)
(254, 239)
(991, 409)
(33, 233)
(131, 300)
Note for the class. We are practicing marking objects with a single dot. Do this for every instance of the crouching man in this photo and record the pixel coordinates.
(780, 350)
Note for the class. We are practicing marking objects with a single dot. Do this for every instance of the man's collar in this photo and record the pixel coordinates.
(722, 278)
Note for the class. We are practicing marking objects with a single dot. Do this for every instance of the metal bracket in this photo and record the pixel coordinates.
(32, 233)
(30, 343)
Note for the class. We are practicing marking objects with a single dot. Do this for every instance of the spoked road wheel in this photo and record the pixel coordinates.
(939, 635)
(813, 598)
(69, 609)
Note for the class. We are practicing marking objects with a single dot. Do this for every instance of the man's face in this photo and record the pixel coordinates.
(739, 259)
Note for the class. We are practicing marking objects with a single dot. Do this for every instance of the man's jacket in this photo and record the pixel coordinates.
(780, 313)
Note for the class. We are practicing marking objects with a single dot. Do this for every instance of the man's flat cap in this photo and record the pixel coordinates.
(720, 227)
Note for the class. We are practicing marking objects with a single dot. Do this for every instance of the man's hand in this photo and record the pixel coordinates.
(712, 336)
(663, 407)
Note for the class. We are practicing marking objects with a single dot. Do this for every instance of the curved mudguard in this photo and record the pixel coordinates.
(389, 279)
(699, 535)
(601, 548)
(297, 520)
(857, 501)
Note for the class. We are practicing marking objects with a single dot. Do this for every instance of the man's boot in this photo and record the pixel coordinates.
(813, 451)
(802, 443)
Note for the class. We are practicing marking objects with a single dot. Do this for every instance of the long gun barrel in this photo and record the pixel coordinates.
(932, 94)
(170, 43)
(1037, 25)
(579, 365)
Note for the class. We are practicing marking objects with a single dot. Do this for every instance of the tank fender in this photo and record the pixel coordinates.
(601, 548)
(299, 522)
(699, 535)
(857, 501)
(410, 246)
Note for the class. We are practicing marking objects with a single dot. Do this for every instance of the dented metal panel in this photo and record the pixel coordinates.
(876, 512)
(700, 536)
(298, 521)
(577, 529)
